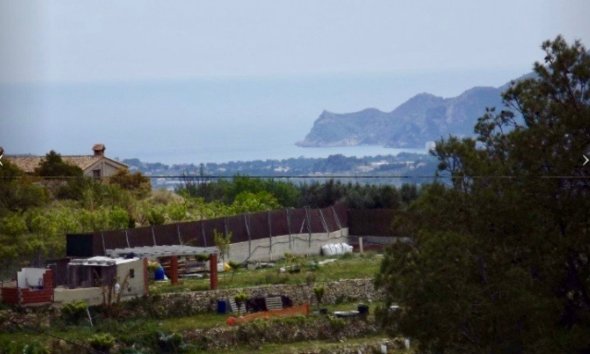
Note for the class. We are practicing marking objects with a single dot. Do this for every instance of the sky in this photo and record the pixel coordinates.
(151, 79)
(113, 40)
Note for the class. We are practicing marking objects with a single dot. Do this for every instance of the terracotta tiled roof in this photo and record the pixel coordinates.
(29, 163)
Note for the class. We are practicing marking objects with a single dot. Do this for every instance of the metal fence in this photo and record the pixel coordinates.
(371, 222)
(244, 227)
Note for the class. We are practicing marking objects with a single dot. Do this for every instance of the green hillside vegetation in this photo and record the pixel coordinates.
(38, 210)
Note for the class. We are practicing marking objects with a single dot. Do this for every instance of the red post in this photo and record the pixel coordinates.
(213, 271)
(174, 270)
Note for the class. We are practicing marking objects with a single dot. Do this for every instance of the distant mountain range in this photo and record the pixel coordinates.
(412, 124)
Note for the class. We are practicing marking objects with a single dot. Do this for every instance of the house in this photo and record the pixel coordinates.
(96, 165)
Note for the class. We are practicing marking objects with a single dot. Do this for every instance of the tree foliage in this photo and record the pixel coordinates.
(54, 166)
(500, 262)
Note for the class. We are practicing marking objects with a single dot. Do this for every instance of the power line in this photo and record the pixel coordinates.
(216, 177)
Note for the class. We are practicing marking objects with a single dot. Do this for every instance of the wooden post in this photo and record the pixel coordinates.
(174, 270)
(361, 245)
(213, 271)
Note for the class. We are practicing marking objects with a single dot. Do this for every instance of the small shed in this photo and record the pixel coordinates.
(88, 278)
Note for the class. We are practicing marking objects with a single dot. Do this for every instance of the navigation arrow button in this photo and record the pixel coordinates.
(586, 160)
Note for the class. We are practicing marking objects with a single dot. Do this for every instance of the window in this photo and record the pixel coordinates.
(96, 173)
(131, 273)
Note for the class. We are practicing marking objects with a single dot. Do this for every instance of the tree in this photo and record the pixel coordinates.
(222, 242)
(500, 261)
(54, 166)
(136, 182)
(18, 191)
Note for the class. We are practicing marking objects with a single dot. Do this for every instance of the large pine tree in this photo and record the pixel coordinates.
(500, 262)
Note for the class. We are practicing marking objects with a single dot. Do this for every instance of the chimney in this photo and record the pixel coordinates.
(98, 149)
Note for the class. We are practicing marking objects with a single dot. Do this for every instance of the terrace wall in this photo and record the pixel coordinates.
(348, 290)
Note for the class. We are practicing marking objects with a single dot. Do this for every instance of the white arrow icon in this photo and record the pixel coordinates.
(586, 160)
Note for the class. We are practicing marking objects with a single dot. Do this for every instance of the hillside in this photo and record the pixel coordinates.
(420, 119)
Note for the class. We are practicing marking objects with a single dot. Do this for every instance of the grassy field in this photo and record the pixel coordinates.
(350, 266)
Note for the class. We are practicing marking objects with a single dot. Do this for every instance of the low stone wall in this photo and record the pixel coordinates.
(349, 290)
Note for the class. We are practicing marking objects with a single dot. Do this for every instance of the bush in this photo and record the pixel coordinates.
(170, 343)
(102, 342)
(74, 312)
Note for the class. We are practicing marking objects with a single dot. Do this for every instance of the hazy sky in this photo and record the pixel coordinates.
(138, 40)
(190, 81)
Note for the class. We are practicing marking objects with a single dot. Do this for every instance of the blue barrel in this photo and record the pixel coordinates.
(221, 306)
(159, 274)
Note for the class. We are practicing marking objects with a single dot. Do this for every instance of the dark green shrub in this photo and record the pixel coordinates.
(170, 343)
(102, 342)
(74, 312)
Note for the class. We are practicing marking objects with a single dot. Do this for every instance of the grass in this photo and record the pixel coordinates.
(346, 267)
(305, 347)
(137, 328)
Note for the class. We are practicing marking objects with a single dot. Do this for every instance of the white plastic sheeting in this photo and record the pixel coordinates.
(333, 249)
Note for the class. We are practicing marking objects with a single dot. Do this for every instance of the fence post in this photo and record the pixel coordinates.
(324, 224)
(361, 244)
(246, 223)
(178, 233)
(154, 236)
(269, 235)
(225, 233)
(308, 219)
(203, 233)
(289, 227)
(104, 248)
(337, 219)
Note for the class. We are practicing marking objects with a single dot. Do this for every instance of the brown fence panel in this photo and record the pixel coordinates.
(115, 239)
(371, 222)
(141, 236)
(342, 213)
(258, 225)
(166, 235)
(279, 226)
(316, 221)
(97, 246)
(298, 221)
(190, 233)
(209, 226)
(330, 219)
(237, 227)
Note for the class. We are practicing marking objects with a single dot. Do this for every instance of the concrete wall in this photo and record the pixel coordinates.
(93, 295)
(135, 285)
(274, 248)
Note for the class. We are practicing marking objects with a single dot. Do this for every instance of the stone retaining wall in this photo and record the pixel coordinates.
(349, 290)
